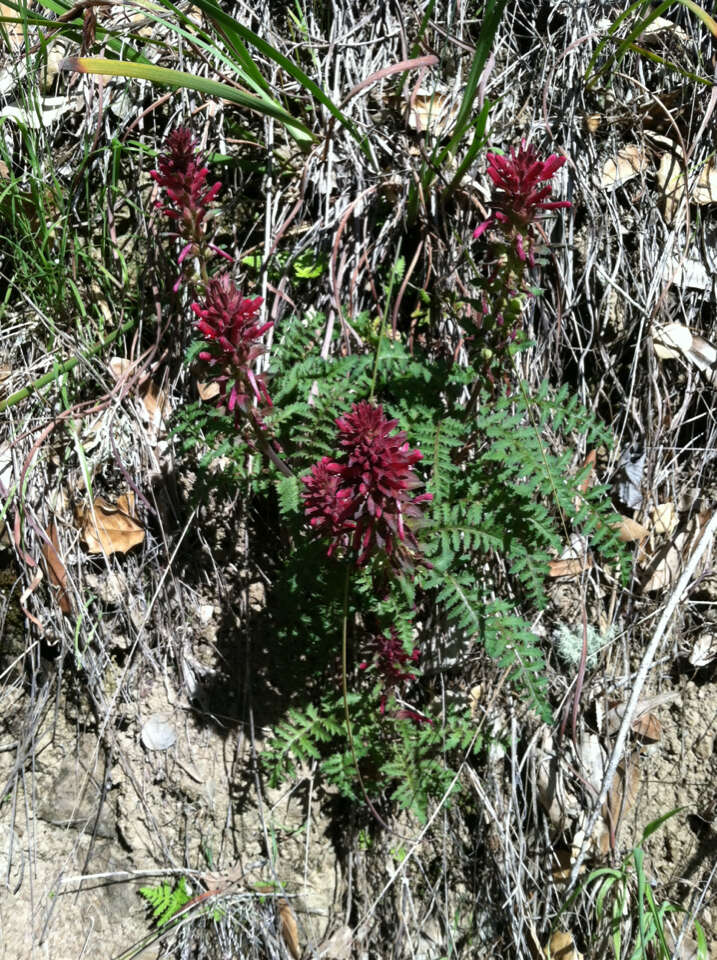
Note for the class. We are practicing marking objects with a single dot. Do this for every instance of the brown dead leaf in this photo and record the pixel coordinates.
(338, 945)
(561, 865)
(592, 122)
(664, 567)
(289, 930)
(568, 568)
(628, 163)
(664, 518)
(207, 390)
(118, 366)
(645, 707)
(671, 179)
(629, 530)
(589, 461)
(648, 727)
(621, 797)
(156, 401)
(115, 531)
(562, 947)
(56, 570)
(434, 112)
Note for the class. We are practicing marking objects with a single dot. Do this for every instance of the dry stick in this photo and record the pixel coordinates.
(639, 683)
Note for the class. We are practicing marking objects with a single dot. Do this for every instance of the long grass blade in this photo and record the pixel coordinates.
(177, 78)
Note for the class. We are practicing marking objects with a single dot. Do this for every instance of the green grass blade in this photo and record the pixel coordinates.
(176, 78)
(239, 35)
(702, 14)
(493, 14)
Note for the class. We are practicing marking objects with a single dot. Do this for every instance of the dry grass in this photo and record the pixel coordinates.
(168, 627)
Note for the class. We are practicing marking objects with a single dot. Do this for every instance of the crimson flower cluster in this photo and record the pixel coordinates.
(183, 177)
(229, 323)
(363, 499)
(522, 194)
(393, 665)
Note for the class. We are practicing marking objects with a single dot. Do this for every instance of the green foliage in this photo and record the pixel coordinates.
(507, 498)
(624, 896)
(166, 900)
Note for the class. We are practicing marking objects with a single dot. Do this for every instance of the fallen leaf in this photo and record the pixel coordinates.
(671, 340)
(568, 568)
(665, 566)
(628, 163)
(664, 518)
(631, 466)
(660, 28)
(588, 462)
(621, 797)
(433, 113)
(562, 947)
(207, 390)
(56, 570)
(686, 272)
(592, 122)
(338, 945)
(562, 864)
(118, 366)
(674, 339)
(288, 928)
(648, 727)
(629, 530)
(114, 531)
(704, 650)
(671, 180)
(643, 710)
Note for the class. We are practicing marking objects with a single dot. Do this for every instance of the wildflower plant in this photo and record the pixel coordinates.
(393, 492)
(522, 193)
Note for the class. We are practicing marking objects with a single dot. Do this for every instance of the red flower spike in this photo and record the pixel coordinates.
(393, 665)
(182, 175)
(228, 322)
(521, 195)
(370, 505)
(324, 504)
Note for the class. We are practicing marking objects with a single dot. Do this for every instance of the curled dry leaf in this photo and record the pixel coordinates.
(561, 864)
(629, 162)
(118, 366)
(589, 465)
(433, 113)
(671, 180)
(644, 708)
(671, 340)
(562, 947)
(704, 650)
(338, 945)
(207, 390)
(621, 797)
(568, 568)
(629, 530)
(674, 339)
(660, 28)
(664, 567)
(557, 799)
(289, 930)
(56, 570)
(115, 531)
(664, 518)
(648, 728)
